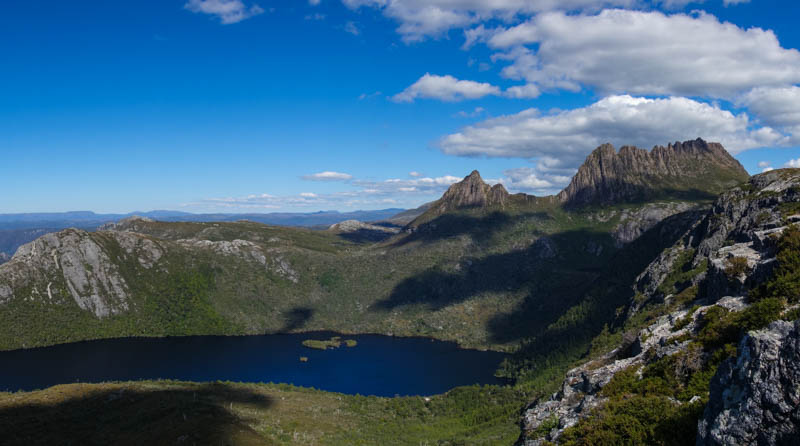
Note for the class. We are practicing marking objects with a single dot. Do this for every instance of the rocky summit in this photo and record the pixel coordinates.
(683, 169)
(471, 192)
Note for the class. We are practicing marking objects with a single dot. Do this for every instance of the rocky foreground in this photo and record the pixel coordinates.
(720, 272)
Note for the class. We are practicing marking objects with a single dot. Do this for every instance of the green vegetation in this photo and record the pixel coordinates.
(169, 412)
(656, 407)
(735, 267)
(334, 342)
(785, 282)
(682, 273)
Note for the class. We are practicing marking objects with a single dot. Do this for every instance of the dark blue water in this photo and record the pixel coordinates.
(378, 365)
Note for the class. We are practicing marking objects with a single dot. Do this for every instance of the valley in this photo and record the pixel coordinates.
(590, 283)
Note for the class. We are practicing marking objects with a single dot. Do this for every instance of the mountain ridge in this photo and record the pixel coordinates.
(688, 168)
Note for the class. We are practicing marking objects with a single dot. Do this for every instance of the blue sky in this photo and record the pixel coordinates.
(264, 106)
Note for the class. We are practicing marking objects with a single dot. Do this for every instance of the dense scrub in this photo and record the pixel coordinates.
(663, 403)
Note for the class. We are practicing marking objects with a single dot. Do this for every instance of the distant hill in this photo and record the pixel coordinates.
(18, 229)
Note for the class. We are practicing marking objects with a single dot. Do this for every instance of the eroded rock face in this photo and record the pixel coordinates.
(70, 263)
(607, 176)
(635, 223)
(471, 192)
(755, 397)
(581, 390)
(272, 259)
(355, 225)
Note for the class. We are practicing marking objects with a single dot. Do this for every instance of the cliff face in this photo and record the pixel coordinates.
(679, 169)
(755, 397)
(471, 192)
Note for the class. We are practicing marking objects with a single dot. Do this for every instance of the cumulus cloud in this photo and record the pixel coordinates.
(777, 107)
(227, 11)
(646, 53)
(527, 91)
(560, 140)
(328, 176)
(419, 19)
(445, 88)
(792, 163)
(420, 185)
(529, 179)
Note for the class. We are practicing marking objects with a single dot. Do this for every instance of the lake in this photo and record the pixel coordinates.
(378, 365)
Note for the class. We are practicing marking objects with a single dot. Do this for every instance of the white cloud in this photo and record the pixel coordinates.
(228, 11)
(763, 164)
(777, 107)
(367, 194)
(424, 186)
(734, 2)
(414, 174)
(350, 27)
(471, 114)
(313, 2)
(560, 140)
(767, 169)
(792, 163)
(423, 18)
(328, 176)
(648, 53)
(527, 91)
(528, 179)
(445, 88)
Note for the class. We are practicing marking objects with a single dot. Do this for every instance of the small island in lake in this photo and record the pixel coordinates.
(334, 342)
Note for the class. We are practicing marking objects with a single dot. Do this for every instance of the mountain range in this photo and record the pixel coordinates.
(622, 273)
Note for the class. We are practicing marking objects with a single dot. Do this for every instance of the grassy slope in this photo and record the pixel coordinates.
(169, 412)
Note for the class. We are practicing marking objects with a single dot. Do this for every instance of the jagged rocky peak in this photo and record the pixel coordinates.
(686, 169)
(472, 191)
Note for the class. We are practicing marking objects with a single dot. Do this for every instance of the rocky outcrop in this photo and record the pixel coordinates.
(744, 223)
(471, 192)
(690, 167)
(68, 264)
(355, 225)
(128, 224)
(634, 223)
(272, 258)
(581, 389)
(755, 397)
(4, 258)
